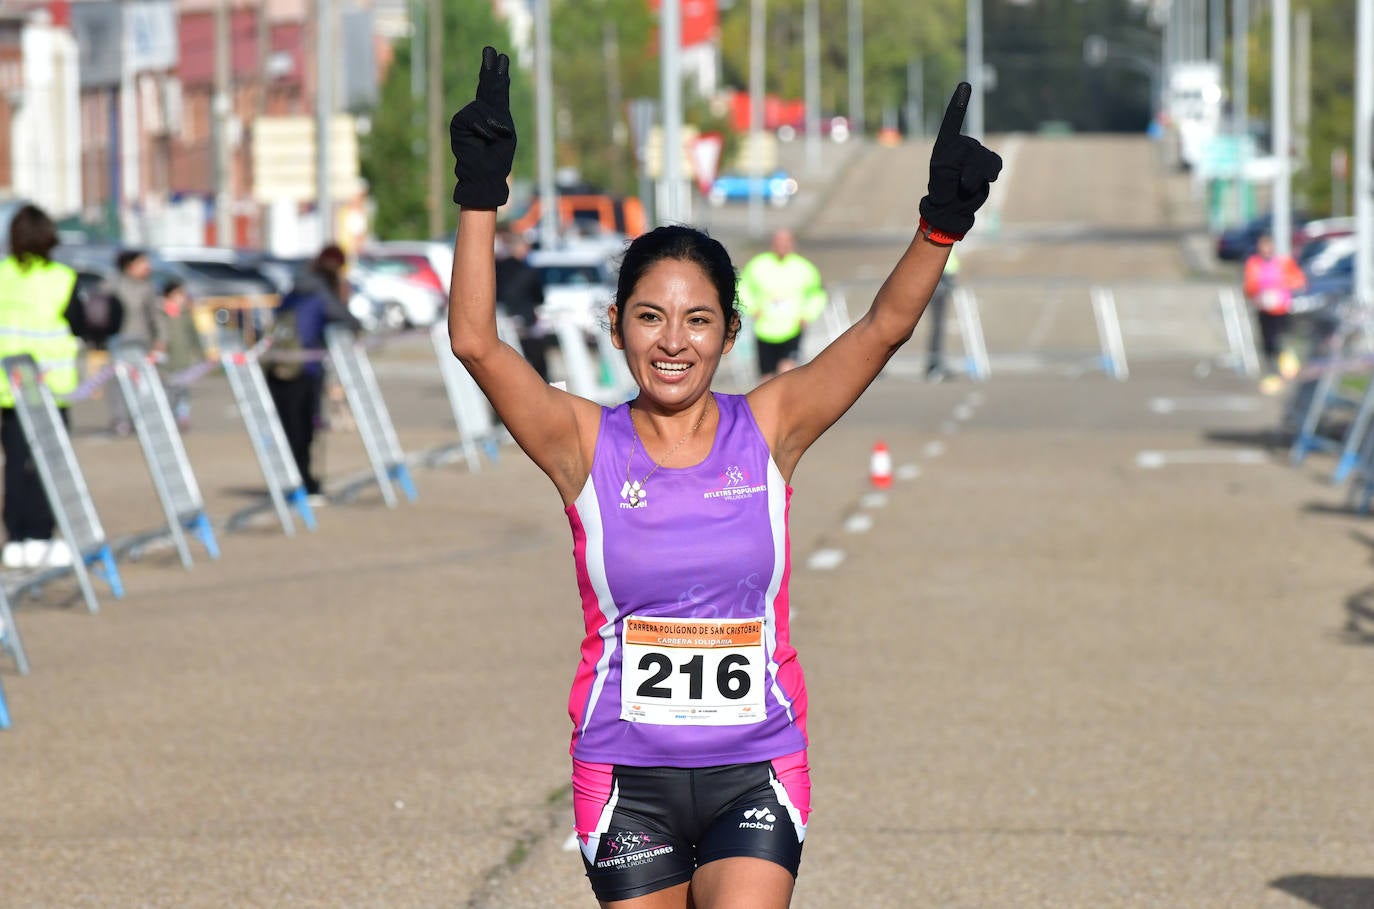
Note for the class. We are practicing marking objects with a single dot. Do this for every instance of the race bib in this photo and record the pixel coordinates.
(1271, 300)
(692, 672)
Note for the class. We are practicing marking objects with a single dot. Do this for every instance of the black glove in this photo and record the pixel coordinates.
(482, 135)
(961, 170)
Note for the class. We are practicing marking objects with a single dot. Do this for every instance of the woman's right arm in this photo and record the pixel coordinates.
(547, 422)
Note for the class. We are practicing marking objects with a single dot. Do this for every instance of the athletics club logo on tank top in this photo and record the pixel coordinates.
(734, 484)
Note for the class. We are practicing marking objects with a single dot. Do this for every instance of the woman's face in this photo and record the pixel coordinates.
(673, 332)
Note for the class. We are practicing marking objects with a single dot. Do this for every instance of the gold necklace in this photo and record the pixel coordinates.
(633, 491)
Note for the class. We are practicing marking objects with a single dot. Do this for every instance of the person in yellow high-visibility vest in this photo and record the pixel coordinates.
(782, 292)
(935, 360)
(40, 315)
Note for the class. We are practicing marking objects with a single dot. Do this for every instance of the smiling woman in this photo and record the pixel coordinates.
(688, 707)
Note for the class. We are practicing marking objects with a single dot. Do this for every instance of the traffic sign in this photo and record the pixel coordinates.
(705, 153)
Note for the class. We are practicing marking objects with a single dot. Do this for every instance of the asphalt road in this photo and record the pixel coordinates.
(1099, 646)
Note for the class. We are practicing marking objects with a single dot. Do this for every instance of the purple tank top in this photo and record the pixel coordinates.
(687, 659)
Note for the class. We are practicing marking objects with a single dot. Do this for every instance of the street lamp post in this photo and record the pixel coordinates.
(974, 63)
(1283, 132)
(670, 78)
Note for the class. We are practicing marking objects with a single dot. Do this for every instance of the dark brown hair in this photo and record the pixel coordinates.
(32, 235)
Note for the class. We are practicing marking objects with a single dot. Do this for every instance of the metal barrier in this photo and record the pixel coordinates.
(252, 312)
(477, 427)
(975, 364)
(830, 324)
(157, 432)
(255, 405)
(582, 374)
(65, 485)
(1113, 356)
(1240, 335)
(355, 374)
(1314, 398)
(622, 385)
(10, 641)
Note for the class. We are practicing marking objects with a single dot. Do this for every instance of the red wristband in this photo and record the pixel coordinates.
(937, 236)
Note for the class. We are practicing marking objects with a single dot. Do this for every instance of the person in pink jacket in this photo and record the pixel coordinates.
(1270, 280)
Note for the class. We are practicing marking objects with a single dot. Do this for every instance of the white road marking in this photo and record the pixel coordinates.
(934, 449)
(1235, 403)
(963, 412)
(908, 472)
(1153, 460)
(858, 523)
(874, 500)
(825, 559)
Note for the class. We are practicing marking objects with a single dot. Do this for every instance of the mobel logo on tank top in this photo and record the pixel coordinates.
(735, 484)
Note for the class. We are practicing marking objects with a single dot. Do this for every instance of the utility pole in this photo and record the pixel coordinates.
(856, 67)
(811, 40)
(543, 103)
(223, 106)
(915, 97)
(1216, 30)
(1302, 87)
(670, 79)
(324, 107)
(974, 62)
(615, 102)
(434, 98)
(1363, 166)
(757, 18)
(1283, 130)
(1240, 95)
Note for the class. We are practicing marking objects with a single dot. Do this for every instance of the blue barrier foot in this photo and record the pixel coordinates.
(401, 474)
(1347, 464)
(301, 501)
(206, 534)
(110, 570)
(4, 711)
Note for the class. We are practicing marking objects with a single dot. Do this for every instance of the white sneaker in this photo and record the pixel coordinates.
(12, 556)
(47, 553)
(59, 554)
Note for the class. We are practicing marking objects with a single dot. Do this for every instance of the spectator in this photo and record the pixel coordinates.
(935, 361)
(180, 345)
(1270, 280)
(296, 376)
(40, 315)
(782, 292)
(519, 293)
(133, 287)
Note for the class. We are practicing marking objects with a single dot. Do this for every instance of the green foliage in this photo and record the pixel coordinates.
(1332, 83)
(896, 32)
(395, 159)
(604, 53)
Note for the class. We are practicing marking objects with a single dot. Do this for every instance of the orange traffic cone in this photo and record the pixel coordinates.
(880, 467)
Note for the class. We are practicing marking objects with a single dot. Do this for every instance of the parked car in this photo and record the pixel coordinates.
(431, 260)
(1235, 244)
(836, 128)
(1330, 280)
(777, 189)
(1318, 256)
(402, 289)
(579, 280)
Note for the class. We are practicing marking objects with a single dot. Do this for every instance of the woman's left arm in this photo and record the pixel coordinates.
(796, 407)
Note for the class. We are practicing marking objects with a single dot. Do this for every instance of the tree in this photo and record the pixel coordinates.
(395, 151)
(896, 32)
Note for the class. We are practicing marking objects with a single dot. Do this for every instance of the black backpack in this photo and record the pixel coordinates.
(103, 312)
(285, 340)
